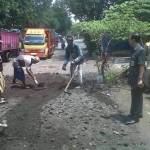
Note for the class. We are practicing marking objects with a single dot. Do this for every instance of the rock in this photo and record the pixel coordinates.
(104, 141)
(52, 140)
(76, 137)
(124, 134)
(102, 133)
(73, 137)
(116, 132)
(86, 122)
(92, 143)
(125, 145)
(48, 127)
(84, 128)
(65, 147)
(71, 118)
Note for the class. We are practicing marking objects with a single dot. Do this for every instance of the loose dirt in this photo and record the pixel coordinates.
(88, 119)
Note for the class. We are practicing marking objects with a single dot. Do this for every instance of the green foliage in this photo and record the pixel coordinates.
(87, 9)
(138, 9)
(60, 20)
(120, 21)
(112, 77)
(36, 13)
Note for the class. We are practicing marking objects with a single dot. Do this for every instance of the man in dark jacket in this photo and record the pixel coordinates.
(135, 79)
(74, 54)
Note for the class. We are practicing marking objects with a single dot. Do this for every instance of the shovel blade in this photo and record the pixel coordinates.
(67, 92)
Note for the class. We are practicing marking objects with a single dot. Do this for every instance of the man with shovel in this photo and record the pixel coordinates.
(74, 54)
(24, 61)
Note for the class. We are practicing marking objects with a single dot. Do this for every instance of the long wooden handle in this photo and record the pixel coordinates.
(70, 80)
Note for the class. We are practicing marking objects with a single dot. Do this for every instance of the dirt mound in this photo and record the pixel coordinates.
(48, 119)
(86, 122)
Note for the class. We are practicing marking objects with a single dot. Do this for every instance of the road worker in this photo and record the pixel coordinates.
(24, 61)
(73, 54)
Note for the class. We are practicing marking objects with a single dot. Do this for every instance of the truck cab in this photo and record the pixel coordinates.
(39, 42)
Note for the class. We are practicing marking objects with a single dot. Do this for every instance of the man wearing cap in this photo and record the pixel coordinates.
(135, 79)
(24, 61)
(74, 54)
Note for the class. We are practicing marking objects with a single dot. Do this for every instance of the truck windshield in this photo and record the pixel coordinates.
(34, 39)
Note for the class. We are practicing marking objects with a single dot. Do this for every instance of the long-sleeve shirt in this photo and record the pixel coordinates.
(72, 53)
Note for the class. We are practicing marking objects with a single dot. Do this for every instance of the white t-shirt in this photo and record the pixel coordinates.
(0, 58)
(26, 58)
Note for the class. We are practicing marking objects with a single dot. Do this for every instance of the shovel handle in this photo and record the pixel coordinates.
(70, 80)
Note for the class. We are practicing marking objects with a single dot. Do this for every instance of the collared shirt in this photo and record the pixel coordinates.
(137, 59)
(72, 52)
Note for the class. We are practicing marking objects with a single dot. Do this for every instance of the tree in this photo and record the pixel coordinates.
(138, 8)
(86, 9)
(58, 19)
(15, 13)
(33, 13)
(120, 20)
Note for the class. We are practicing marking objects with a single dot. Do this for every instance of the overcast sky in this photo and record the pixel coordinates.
(53, 1)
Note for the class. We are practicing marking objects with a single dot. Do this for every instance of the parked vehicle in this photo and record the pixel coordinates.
(62, 41)
(56, 39)
(9, 44)
(39, 42)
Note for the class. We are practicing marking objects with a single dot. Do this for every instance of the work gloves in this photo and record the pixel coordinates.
(79, 60)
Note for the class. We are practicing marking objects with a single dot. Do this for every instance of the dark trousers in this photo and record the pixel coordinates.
(136, 102)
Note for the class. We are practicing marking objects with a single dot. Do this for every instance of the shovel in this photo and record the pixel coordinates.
(66, 89)
(40, 86)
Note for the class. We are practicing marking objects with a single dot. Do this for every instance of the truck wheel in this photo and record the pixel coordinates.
(49, 55)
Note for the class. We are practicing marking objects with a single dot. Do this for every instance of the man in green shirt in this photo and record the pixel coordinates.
(135, 79)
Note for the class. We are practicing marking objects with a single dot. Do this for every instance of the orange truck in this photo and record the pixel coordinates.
(39, 42)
